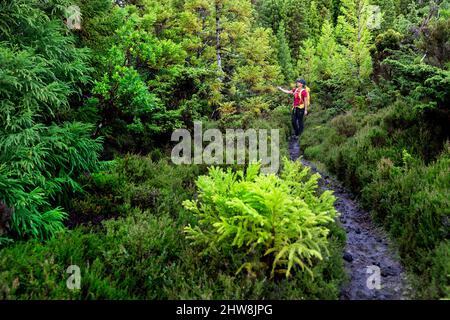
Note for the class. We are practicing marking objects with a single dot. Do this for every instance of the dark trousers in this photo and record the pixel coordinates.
(297, 120)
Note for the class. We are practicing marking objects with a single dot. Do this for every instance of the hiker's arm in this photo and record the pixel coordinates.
(284, 90)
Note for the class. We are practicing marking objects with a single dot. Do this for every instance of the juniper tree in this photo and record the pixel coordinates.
(353, 33)
(284, 55)
(41, 152)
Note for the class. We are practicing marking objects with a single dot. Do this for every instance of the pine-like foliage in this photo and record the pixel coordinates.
(40, 153)
(427, 85)
(278, 221)
(284, 55)
(141, 69)
(353, 32)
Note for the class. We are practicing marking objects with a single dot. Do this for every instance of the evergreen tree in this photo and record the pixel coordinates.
(388, 13)
(41, 151)
(257, 69)
(308, 62)
(211, 32)
(326, 10)
(314, 20)
(217, 26)
(321, 62)
(296, 24)
(353, 33)
(328, 54)
(270, 13)
(284, 55)
(134, 95)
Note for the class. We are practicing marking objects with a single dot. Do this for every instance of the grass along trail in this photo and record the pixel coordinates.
(366, 245)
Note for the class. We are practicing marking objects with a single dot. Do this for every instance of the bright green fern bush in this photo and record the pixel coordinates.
(278, 221)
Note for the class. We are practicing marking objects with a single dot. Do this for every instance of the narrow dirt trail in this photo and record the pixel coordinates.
(367, 249)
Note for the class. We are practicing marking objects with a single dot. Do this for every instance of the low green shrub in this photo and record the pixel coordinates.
(279, 222)
(128, 260)
(133, 181)
(35, 270)
(437, 276)
(345, 124)
(145, 256)
(103, 199)
(413, 202)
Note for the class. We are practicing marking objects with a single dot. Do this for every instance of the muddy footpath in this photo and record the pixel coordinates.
(371, 262)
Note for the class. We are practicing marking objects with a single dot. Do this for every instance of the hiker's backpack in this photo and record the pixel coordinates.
(309, 94)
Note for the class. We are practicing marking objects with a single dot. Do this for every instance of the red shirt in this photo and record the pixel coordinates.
(299, 96)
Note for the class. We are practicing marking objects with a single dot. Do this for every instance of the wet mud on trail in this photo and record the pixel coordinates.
(368, 251)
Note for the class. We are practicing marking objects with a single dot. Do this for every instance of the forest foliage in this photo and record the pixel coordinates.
(81, 106)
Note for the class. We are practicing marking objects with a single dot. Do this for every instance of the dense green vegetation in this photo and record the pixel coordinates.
(87, 112)
(390, 144)
(143, 253)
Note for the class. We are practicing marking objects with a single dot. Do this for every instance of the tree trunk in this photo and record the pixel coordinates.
(5, 218)
(218, 31)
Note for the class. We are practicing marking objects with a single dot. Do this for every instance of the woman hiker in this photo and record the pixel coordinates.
(300, 105)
